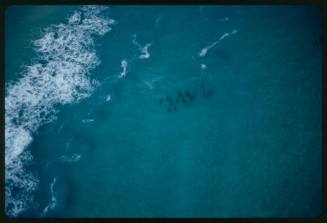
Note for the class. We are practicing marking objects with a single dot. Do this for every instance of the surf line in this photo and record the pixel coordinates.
(205, 50)
(59, 75)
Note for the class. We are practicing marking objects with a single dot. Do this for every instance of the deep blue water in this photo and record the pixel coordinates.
(163, 111)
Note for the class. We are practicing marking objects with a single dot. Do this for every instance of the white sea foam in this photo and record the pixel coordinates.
(72, 158)
(60, 75)
(223, 36)
(143, 49)
(123, 65)
(145, 52)
(205, 50)
(87, 120)
(53, 201)
(108, 98)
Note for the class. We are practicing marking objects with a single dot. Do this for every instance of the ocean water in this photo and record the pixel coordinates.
(163, 111)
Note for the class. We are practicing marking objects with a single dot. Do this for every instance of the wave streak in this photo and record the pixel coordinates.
(205, 50)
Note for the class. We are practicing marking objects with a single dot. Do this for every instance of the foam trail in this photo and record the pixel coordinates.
(60, 75)
(205, 50)
(64, 158)
(143, 49)
(53, 201)
(151, 83)
(123, 65)
(70, 159)
(223, 36)
(145, 52)
(87, 120)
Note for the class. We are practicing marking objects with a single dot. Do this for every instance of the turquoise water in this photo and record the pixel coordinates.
(163, 111)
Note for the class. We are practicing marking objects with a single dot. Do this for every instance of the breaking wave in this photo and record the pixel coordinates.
(60, 75)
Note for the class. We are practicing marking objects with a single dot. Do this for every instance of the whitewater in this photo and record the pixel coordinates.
(59, 75)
